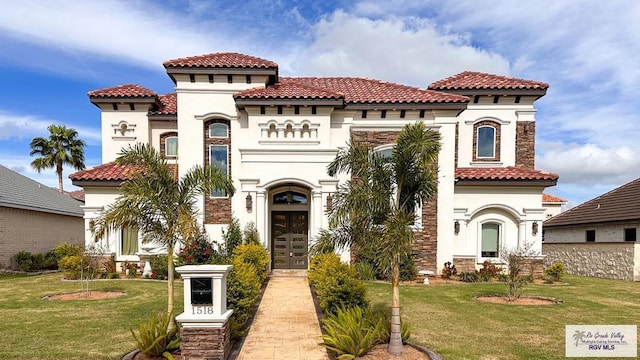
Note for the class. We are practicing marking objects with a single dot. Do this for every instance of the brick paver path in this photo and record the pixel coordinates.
(286, 325)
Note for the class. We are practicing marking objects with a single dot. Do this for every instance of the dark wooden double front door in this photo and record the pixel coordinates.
(289, 239)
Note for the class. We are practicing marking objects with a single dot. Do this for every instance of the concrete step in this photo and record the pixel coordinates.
(288, 273)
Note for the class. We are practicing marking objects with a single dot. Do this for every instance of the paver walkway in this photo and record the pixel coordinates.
(286, 325)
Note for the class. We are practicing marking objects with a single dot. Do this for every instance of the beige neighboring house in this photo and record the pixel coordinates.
(600, 237)
(552, 205)
(35, 217)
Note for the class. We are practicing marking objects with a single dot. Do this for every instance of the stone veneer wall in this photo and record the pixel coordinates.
(217, 210)
(526, 144)
(426, 241)
(464, 264)
(603, 260)
(205, 343)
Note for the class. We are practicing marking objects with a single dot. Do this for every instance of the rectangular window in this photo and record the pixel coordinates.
(590, 235)
(129, 241)
(219, 157)
(218, 130)
(486, 144)
(490, 240)
(171, 146)
(630, 234)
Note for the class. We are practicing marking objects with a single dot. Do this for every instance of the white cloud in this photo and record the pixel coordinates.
(590, 164)
(408, 50)
(18, 126)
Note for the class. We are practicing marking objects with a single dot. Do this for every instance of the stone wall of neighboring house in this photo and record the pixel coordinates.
(603, 260)
(36, 232)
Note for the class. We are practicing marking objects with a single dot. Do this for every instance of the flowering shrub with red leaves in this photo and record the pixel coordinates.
(197, 251)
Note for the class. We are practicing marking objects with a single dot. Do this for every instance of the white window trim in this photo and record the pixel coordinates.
(227, 148)
(501, 237)
(493, 148)
(166, 147)
(218, 137)
(122, 257)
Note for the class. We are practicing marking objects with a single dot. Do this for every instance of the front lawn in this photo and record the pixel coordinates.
(446, 319)
(33, 328)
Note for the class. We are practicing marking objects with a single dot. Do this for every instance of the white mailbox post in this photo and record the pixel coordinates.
(205, 330)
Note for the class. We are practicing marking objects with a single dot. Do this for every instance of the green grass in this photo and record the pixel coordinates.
(446, 319)
(33, 328)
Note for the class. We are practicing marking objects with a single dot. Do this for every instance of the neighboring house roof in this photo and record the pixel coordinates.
(470, 82)
(222, 60)
(548, 198)
(620, 204)
(502, 174)
(78, 195)
(20, 192)
(107, 172)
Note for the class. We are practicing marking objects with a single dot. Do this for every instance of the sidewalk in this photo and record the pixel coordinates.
(286, 325)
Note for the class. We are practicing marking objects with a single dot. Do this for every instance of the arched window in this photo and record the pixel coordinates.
(490, 240)
(219, 158)
(290, 197)
(486, 142)
(171, 146)
(218, 130)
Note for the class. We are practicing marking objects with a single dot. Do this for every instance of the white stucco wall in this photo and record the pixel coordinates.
(113, 140)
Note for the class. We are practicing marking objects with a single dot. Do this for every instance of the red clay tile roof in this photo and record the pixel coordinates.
(168, 105)
(78, 195)
(222, 60)
(288, 90)
(105, 172)
(361, 91)
(620, 204)
(470, 80)
(126, 91)
(108, 172)
(547, 198)
(503, 173)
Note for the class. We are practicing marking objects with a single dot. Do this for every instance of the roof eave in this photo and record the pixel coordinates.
(123, 99)
(43, 210)
(407, 106)
(220, 70)
(242, 103)
(511, 182)
(108, 183)
(494, 92)
(163, 117)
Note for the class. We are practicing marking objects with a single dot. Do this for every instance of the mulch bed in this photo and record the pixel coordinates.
(86, 295)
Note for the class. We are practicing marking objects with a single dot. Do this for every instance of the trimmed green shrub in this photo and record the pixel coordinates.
(256, 255)
(554, 273)
(341, 289)
(155, 338)
(66, 249)
(243, 291)
(321, 266)
(351, 331)
(24, 259)
(160, 268)
(72, 266)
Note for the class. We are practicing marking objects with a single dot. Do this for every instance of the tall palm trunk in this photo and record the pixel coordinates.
(395, 340)
(59, 172)
(170, 278)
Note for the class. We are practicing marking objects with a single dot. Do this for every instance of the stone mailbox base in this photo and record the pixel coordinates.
(203, 343)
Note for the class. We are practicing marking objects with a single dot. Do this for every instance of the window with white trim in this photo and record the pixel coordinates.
(219, 158)
(129, 241)
(171, 146)
(486, 145)
(218, 130)
(490, 240)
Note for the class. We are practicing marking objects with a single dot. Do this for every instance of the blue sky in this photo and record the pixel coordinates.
(55, 51)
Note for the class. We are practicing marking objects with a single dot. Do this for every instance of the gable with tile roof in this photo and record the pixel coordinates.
(275, 135)
(35, 217)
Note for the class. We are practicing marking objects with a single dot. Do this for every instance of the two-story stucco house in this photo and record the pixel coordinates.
(276, 135)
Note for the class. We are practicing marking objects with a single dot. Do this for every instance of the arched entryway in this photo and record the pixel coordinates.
(289, 229)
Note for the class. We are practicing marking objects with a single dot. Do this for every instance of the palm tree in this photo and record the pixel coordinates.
(157, 203)
(378, 203)
(61, 148)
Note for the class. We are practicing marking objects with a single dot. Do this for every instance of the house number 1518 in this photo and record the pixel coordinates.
(202, 310)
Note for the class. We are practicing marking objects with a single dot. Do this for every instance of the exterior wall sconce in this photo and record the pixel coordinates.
(249, 203)
(329, 202)
(456, 227)
(534, 228)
